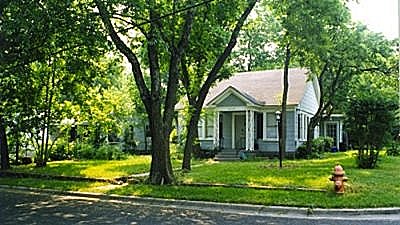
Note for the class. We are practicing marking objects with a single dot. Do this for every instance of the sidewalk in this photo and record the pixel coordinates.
(246, 209)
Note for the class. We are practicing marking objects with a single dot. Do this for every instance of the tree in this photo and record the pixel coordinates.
(370, 115)
(353, 51)
(202, 65)
(153, 35)
(256, 48)
(35, 37)
(306, 28)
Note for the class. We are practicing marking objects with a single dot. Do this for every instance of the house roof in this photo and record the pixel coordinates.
(261, 87)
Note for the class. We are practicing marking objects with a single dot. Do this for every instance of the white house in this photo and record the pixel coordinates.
(240, 112)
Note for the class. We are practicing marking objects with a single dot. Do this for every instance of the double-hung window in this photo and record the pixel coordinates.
(206, 126)
(271, 126)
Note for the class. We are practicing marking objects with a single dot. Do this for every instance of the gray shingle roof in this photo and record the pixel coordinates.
(263, 87)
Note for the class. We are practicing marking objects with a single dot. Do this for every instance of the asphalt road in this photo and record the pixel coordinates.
(31, 207)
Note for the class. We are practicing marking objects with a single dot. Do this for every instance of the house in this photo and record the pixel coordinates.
(240, 112)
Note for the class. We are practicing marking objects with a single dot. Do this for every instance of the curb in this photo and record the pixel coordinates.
(212, 206)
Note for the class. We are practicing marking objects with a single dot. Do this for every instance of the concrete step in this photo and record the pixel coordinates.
(227, 155)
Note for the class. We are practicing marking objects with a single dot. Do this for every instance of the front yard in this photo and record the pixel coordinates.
(366, 188)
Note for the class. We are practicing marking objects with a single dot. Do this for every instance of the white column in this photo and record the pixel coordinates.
(251, 130)
(247, 130)
(216, 129)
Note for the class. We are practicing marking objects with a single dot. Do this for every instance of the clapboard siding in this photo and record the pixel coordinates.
(309, 102)
(231, 100)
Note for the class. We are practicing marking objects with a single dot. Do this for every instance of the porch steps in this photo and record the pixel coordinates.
(227, 155)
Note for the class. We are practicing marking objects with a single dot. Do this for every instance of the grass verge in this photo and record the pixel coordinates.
(366, 188)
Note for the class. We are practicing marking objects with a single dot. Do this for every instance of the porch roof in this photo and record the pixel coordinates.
(261, 87)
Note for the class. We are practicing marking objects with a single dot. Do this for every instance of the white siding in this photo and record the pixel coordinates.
(309, 102)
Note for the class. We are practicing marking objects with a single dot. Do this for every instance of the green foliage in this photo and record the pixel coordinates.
(393, 148)
(129, 143)
(83, 151)
(370, 116)
(61, 151)
(109, 152)
(104, 152)
(319, 145)
(322, 144)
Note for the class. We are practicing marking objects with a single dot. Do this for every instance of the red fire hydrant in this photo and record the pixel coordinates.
(338, 179)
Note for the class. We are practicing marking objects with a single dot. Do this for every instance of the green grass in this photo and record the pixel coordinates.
(56, 184)
(366, 188)
(92, 168)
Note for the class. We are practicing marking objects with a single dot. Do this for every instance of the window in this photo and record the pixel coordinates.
(206, 127)
(271, 126)
(200, 127)
(209, 126)
(302, 125)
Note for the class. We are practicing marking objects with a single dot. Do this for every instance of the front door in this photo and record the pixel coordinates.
(240, 131)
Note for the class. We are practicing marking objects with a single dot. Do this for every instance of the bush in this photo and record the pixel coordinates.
(105, 152)
(109, 152)
(367, 159)
(84, 151)
(319, 145)
(61, 151)
(322, 144)
(393, 149)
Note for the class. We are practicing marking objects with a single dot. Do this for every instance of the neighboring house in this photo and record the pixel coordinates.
(240, 112)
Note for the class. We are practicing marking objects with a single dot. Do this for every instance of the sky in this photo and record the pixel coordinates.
(379, 15)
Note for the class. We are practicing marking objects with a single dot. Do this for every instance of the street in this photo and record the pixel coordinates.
(31, 207)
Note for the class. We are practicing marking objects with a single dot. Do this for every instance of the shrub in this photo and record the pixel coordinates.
(61, 151)
(393, 149)
(322, 144)
(301, 152)
(319, 146)
(109, 152)
(83, 151)
(105, 152)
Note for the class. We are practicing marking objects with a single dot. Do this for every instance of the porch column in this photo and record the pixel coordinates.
(216, 130)
(249, 130)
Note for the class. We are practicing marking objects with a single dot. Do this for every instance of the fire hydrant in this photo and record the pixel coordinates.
(338, 178)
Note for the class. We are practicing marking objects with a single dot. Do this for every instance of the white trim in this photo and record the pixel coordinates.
(338, 131)
(226, 93)
(265, 138)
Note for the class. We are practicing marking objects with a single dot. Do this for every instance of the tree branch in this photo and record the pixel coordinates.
(176, 56)
(213, 74)
(125, 50)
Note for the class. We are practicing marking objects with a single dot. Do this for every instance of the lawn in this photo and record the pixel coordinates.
(92, 168)
(366, 188)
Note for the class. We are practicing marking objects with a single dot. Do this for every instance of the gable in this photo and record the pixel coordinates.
(231, 100)
(260, 87)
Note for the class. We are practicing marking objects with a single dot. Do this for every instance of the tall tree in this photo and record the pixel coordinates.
(370, 114)
(155, 25)
(203, 64)
(306, 26)
(353, 50)
(37, 33)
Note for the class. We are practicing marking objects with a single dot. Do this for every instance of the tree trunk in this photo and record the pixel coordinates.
(161, 168)
(191, 142)
(196, 100)
(310, 131)
(282, 138)
(17, 144)
(5, 160)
